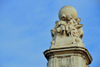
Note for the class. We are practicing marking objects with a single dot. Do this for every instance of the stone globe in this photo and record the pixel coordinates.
(67, 10)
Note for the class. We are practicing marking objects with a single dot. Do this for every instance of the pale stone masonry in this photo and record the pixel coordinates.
(67, 48)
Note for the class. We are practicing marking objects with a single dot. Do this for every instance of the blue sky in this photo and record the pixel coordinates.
(25, 29)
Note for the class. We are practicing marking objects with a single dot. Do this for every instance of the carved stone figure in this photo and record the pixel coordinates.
(67, 48)
(68, 26)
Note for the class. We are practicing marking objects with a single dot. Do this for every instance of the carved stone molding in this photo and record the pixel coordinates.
(68, 51)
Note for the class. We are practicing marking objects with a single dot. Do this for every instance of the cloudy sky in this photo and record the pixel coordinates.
(25, 29)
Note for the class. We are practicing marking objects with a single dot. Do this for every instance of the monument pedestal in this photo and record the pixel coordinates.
(68, 57)
(67, 48)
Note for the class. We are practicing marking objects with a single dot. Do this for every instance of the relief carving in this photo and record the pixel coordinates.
(64, 62)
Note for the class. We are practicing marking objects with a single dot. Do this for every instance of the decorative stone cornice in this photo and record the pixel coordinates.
(75, 49)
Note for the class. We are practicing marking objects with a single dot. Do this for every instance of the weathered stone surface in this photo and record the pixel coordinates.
(67, 48)
(68, 30)
(68, 57)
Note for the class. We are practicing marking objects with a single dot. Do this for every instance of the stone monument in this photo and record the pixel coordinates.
(67, 48)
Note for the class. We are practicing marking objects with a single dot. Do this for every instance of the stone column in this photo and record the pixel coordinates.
(67, 48)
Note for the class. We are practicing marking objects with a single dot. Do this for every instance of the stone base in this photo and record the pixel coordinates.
(68, 57)
(66, 45)
(63, 41)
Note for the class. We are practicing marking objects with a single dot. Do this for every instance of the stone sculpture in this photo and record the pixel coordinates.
(68, 26)
(67, 48)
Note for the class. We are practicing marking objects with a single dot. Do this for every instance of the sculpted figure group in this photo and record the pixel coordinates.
(67, 26)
